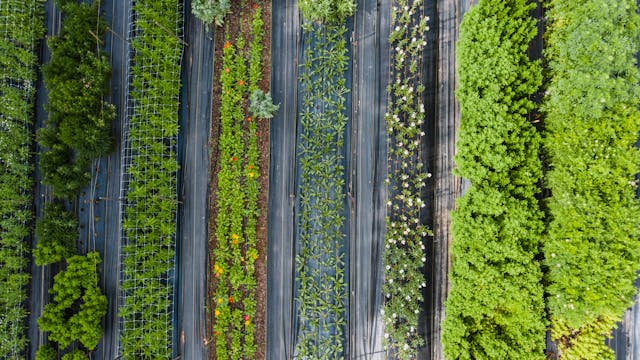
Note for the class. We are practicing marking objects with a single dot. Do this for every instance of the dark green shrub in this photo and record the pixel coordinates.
(327, 10)
(495, 307)
(261, 105)
(592, 122)
(79, 125)
(211, 10)
(78, 304)
(57, 233)
(46, 352)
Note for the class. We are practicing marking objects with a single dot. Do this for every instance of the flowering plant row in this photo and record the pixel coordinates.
(150, 204)
(321, 288)
(404, 252)
(237, 198)
(592, 122)
(495, 307)
(21, 26)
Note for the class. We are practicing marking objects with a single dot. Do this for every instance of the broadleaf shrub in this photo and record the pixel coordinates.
(495, 307)
(57, 233)
(77, 283)
(211, 10)
(592, 122)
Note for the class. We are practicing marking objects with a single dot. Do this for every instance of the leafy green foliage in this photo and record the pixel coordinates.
(75, 355)
(150, 204)
(321, 289)
(57, 233)
(21, 27)
(328, 11)
(261, 105)
(237, 199)
(46, 352)
(79, 125)
(211, 10)
(78, 304)
(495, 307)
(592, 122)
(404, 254)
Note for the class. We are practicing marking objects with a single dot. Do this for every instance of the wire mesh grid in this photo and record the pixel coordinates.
(17, 72)
(149, 181)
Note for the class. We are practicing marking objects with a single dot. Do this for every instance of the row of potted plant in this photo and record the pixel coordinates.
(404, 250)
(320, 292)
(21, 27)
(592, 122)
(150, 204)
(495, 307)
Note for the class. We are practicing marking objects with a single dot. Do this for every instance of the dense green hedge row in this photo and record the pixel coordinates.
(592, 122)
(150, 207)
(321, 290)
(78, 128)
(21, 27)
(57, 232)
(495, 308)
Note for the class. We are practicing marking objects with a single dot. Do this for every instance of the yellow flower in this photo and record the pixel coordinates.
(217, 313)
(247, 322)
(219, 300)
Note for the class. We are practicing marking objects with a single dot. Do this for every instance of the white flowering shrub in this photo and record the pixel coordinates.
(404, 252)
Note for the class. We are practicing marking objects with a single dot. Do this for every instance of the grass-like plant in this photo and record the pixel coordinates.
(21, 28)
(495, 308)
(592, 122)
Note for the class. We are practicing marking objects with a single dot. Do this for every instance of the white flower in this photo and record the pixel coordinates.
(416, 311)
(423, 259)
(397, 29)
(394, 315)
(422, 133)
(391, 282)
(406, 347)
(388, 267)
(407, 297)
(386, 336)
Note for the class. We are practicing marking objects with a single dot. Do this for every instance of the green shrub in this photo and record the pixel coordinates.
(57, 233)
(21, 29)
(78, 304)
(75, 355)
(211, 10)
(78, 129)
(495, 307)
(328, 11)
(261, 105)
(46, 352)
(592, 122)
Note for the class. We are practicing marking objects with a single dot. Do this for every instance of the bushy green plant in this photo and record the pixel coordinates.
(592, 122)
(57, 233)
(495, 307)
(329, 11)
(63, 318)
(21, 29)
(321, 289)
(261, 105)
(75, 355)
(211, 10)
(404, 253)
(46, 352)
(77, 76)
(150, 204)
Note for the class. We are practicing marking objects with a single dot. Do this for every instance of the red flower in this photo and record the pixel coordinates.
(245, 317)
(230, 299)
(227, 44)
(256, 6)
(233, 158)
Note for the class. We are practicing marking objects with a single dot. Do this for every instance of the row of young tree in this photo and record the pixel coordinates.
(21, 27)
(523, 263)
(76, 132)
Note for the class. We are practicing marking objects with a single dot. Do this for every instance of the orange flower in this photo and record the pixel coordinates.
(235, 239)
(248, 118)
(233, 158)
(230, 299)
(250, 167)
(227, 44)
(226, 70)
(241, 82)
(256, 6)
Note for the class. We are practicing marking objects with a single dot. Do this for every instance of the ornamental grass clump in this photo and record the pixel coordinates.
(21, 28)
(235, 252)
(404, 253)
(592, 122)
(495, 308)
